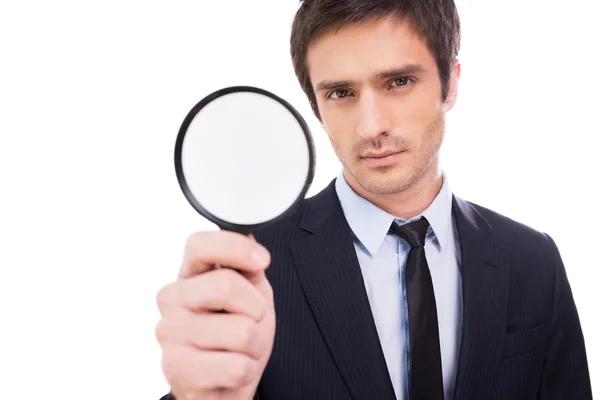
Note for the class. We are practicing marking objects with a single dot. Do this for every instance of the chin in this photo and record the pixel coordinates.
(385, 181)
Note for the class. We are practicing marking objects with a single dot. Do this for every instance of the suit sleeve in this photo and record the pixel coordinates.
(565, 373)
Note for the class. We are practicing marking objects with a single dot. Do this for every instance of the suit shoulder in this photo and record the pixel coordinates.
(282, 229)
(516, 235)
(505, 224)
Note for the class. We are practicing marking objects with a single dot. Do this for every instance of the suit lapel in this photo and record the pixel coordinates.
(485, 291)
(330, 274)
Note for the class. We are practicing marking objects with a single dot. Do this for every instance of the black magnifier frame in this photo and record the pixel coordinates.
(226, 225)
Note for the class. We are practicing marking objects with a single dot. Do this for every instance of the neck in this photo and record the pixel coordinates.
(410, 202)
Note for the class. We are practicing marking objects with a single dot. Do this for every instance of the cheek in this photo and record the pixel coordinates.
(420, 108)
(417, 117)
(339, 128)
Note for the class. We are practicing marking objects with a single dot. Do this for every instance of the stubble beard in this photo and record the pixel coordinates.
(398, 178)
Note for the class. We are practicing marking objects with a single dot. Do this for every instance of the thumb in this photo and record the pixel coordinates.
(257, 277)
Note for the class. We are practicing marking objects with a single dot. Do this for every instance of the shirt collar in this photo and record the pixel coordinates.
(370, 224)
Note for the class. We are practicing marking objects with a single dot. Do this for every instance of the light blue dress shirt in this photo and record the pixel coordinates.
(382, 257)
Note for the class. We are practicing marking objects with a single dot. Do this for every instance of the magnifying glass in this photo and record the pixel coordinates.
(244, 158)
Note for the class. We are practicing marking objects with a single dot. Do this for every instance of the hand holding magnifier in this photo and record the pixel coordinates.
(244, 160)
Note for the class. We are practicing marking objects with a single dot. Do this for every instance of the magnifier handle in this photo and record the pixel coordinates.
(218, 266)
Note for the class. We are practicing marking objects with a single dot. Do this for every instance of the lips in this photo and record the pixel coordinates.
(383, 159)
(380, 155)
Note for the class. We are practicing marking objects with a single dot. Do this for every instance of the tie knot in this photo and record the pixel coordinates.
(413, 232)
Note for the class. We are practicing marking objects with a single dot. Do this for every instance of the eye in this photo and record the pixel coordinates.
(339, 94)
(400, 82)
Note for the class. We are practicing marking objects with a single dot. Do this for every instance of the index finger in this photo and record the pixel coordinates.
(204, 250)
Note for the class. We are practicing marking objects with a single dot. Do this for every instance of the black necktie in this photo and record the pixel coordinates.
(425, 373)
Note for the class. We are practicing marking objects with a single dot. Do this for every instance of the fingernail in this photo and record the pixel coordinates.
(260, 256)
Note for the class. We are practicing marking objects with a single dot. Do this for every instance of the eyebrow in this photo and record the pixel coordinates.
(409, 69)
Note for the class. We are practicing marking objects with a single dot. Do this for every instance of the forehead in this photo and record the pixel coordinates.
(358, 51)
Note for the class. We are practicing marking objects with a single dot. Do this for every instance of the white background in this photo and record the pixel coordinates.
(92, 221)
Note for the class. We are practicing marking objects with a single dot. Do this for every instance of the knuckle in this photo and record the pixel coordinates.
(193, 240)
(194, 248)
(226, 283)
(241, 372)
(172, 367)
(165, 296)
(161, 332)
(245, 334)
(179, 368)
(165, 330)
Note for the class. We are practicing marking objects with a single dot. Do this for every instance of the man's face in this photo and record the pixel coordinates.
(378, 92)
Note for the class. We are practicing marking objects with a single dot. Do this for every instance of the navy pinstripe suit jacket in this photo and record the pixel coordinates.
(521, 336)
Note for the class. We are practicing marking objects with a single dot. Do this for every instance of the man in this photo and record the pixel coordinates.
(385, 285)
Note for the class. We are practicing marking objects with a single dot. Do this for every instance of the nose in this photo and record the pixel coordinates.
(372, 120)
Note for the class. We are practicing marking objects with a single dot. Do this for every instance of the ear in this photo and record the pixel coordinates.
(452, 88)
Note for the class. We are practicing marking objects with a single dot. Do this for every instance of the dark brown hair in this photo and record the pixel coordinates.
(436, 21)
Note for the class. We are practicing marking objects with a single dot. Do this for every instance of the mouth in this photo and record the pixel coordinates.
(382, 159)
(381, 154)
